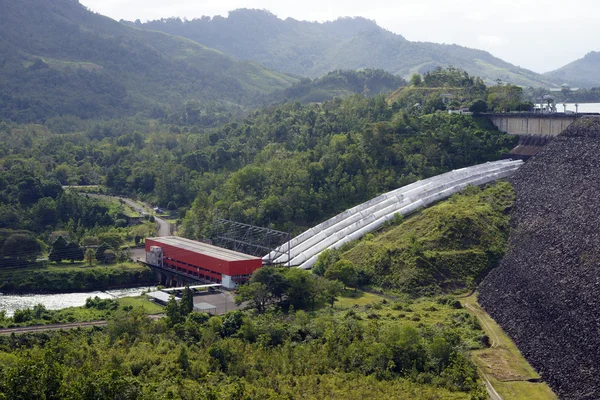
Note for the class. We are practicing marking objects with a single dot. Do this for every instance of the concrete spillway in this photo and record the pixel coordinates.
(354, 223)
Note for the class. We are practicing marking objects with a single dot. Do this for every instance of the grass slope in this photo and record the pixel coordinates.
(446, 247)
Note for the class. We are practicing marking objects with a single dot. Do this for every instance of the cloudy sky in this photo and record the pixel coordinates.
(539, 35)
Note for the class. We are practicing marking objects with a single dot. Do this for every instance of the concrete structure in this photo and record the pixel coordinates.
(178, 261)
(352, 224)
(160, 297)
(533, 124)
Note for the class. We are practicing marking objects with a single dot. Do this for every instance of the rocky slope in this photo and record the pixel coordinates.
(546, 292)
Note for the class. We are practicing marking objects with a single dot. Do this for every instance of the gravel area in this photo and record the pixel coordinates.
(546, 291)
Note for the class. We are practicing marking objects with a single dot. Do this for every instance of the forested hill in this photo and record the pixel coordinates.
(313, 49)
(584, 72)
(60, 58)
(339, 83)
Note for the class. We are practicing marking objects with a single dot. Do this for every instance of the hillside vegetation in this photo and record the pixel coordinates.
(450, 246)
(289, 166)
(59, 58)
(340, 83)
(313, 49)
(377, 349)
(580, 73)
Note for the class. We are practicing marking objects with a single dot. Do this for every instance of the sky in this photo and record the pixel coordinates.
(538, 35)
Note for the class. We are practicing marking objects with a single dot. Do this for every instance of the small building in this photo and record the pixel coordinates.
(201, 261)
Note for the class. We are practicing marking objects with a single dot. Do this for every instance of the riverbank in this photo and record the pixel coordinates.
(95, 309)
(68, 278)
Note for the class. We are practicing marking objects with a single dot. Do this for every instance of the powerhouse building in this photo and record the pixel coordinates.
(200, 260)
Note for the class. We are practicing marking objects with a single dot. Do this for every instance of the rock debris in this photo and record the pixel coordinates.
(546, 291)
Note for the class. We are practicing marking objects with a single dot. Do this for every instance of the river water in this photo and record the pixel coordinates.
(583, 107)
(10, 303)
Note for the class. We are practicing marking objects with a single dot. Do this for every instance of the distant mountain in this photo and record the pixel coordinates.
(584, 72)
(313, 49)
(339, 83)
(59, 58)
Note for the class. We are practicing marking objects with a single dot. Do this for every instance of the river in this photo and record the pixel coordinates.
(10, 303)
(583, 107)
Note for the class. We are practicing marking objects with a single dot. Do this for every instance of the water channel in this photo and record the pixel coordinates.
(10, 303)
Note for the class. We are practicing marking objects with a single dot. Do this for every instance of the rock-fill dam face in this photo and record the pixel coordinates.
(546, 291)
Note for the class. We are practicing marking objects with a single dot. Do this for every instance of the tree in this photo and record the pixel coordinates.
(113, 239)
(58, 252)
(173, 312)
(325, 260)
(416, 80)
(21, 246)
(73, 252)
(255, 293)
(109, 257)
(299, 287)
(100, 251)
(90, 256)
(186, 305)
(329, 290)
(478, 107)
(343, 271)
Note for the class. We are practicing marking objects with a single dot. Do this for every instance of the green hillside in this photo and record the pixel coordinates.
(339, 83)
(63, 59)
(584, 72)
(449, 246)
(313, 49)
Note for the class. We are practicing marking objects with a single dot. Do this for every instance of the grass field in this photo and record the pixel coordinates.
(503, 363)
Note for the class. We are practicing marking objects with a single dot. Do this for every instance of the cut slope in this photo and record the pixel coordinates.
(546, 292)
(313, 49)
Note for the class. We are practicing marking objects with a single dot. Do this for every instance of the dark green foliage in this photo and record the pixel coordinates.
(449, 246)
(101, 252)
(327, 354)
(343, 271)
(61, 59)
(59, 250)
(339, 83)
(301, 164)
(478, 107)
(101, 304)
(186, 305)
(286, 287)
(73, 252)
(42, 280)
(173, 311)
(18, 246)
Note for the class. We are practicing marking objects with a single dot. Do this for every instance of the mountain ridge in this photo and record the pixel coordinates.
(64, 59)
(584, 72)
(313, 49)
